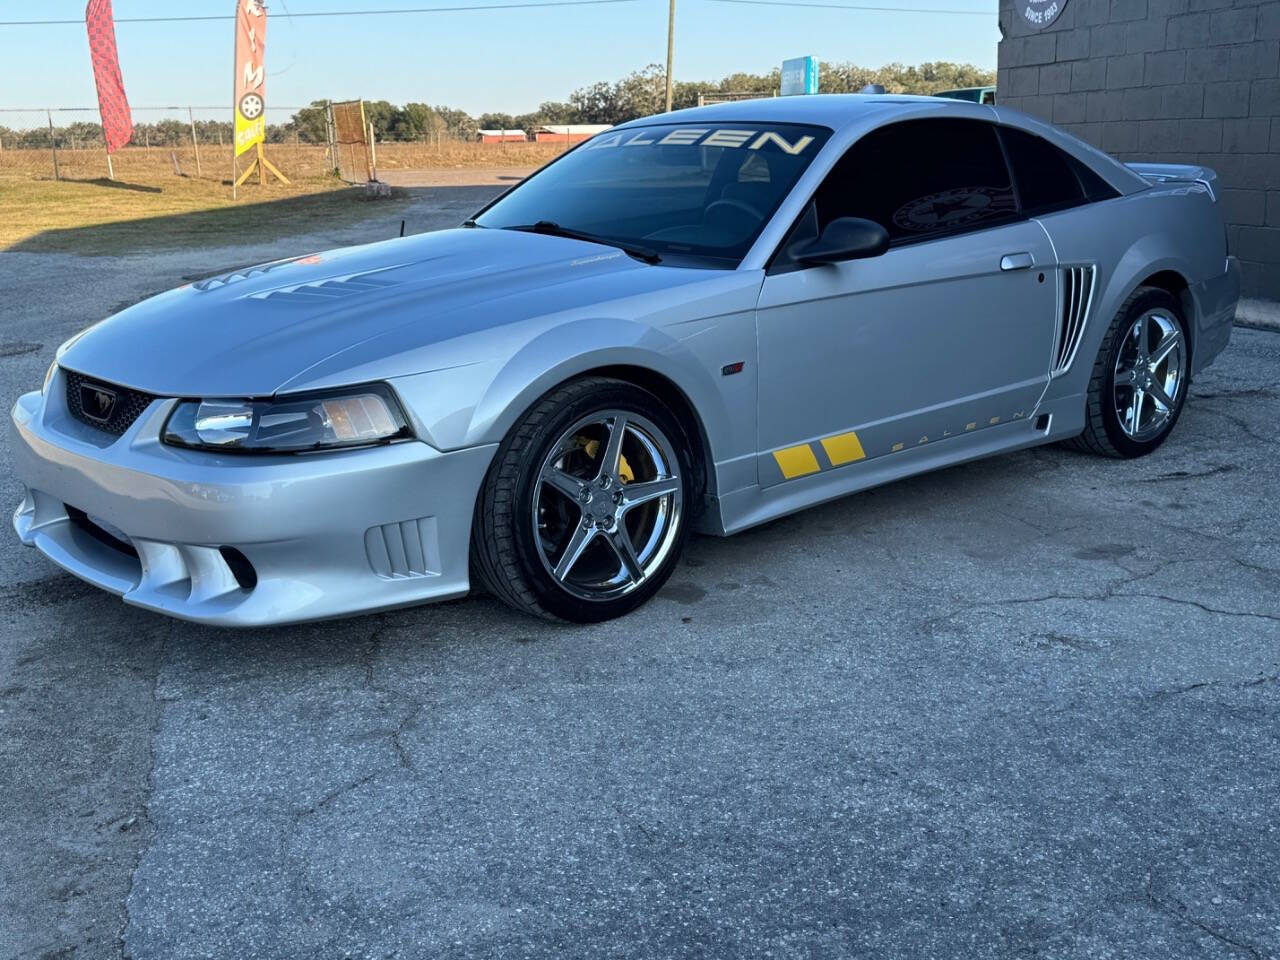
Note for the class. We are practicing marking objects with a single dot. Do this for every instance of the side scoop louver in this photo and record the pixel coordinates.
(1077, 297)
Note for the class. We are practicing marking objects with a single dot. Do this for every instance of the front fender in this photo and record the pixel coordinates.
(484, 400)
(575, 348)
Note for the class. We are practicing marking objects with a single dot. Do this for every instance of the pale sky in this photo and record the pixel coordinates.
(476, 60)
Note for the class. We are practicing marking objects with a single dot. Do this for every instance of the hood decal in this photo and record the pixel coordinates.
(330, 288)
(222, 279)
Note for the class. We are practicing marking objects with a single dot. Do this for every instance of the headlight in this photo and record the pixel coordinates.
(48, 376)
(289, 424)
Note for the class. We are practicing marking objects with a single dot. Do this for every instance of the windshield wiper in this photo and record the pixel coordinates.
(553, 229)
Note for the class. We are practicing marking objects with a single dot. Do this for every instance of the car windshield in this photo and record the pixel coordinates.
(676, 192)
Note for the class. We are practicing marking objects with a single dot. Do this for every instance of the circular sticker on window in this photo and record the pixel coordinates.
(952, 208)
(1038, 14)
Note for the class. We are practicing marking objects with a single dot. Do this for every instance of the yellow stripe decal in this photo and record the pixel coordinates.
(796, 461)
(843, 448)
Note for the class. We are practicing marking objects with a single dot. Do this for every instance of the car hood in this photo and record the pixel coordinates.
(251, 331)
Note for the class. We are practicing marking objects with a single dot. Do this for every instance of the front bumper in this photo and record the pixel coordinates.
(327, 535)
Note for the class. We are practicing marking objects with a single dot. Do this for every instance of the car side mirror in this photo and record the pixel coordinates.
(846, 238)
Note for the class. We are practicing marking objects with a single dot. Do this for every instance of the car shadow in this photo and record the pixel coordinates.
(121, 185)
(345, 215)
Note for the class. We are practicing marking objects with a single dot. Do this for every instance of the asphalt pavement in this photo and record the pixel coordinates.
(1026, 707)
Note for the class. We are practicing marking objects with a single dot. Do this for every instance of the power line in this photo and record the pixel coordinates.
(134, 107)
(335, 13)
(855, 6)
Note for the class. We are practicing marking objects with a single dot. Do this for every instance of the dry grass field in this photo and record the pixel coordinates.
(301, 160)
(152, 204)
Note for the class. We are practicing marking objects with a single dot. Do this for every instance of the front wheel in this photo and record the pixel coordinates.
(1140, 378)
(584, 511)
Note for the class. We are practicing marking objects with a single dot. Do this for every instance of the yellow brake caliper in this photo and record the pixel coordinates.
(590, 447)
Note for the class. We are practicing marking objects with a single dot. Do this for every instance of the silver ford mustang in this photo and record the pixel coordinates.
(702, 320)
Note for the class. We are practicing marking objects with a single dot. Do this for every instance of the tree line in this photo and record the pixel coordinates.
(638, 94)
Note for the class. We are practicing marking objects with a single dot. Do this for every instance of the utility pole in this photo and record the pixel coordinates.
(195, 144)
(671, 43)
(53, 142)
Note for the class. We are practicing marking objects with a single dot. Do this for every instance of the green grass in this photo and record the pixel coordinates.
(164, 211)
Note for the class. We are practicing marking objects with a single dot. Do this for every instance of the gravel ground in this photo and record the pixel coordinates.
(1021, 708)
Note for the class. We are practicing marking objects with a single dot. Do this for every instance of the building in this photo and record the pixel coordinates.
(1179, 81)
(502, 136)
(568, 132)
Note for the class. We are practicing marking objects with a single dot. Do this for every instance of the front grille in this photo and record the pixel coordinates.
(115, 417)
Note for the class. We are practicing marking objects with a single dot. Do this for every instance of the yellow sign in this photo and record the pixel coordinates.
(251, 80)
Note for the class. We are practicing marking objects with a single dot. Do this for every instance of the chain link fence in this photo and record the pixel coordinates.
(66, 142)
(195, 141)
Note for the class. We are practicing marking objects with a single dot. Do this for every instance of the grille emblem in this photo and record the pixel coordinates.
(97, 402)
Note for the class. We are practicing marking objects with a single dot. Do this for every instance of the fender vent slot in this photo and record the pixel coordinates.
(409, 548)
(1077, 297)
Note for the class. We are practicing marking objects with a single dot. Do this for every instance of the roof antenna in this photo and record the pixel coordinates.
(402, 228)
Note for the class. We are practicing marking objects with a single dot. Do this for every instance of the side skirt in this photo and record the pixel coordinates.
(752, 506)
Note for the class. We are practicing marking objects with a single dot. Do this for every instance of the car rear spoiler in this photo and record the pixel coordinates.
(1177, 173)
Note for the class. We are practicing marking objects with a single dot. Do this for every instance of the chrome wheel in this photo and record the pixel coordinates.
(1150, 368)
(607, 505)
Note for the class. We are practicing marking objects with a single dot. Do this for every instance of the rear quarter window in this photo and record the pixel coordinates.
(1049, 179)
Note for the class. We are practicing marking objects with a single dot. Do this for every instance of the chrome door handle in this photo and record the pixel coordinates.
(1016, 261)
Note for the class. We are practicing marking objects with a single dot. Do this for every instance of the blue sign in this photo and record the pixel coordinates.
(799, 76)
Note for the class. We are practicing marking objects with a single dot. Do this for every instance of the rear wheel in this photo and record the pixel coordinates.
(583, 512)
(1140, 378)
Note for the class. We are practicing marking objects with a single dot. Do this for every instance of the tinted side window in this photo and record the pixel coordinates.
(1046, 180)
(1095, 187)
(922, 179)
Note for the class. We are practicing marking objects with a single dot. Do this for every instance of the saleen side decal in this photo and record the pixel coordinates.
(801, 460)
(797, 461)
(843, 448)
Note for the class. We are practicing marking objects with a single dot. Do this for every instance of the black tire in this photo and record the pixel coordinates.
(1103, 434)
(504, 553)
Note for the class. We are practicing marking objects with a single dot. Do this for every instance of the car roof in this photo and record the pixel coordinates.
(833, 110)
(864, 111)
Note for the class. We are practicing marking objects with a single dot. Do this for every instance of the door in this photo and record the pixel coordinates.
(949, 332)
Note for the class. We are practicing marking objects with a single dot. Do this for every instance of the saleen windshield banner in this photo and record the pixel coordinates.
(251, 80)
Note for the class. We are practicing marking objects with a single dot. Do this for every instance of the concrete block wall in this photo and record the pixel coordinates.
(1177, 81)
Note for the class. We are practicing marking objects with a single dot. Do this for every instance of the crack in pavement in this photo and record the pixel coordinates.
(1267, 390)
(374, 644)
(404, 761)
(1244, 427)
(1177, 910)
(1111, 591)
(1217, 611)
(144, 815)
(303, 891)
(1109, 595)
(1234, 684)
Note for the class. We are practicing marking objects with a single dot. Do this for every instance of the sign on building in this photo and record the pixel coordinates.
(1038, 14)
(799, 76)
